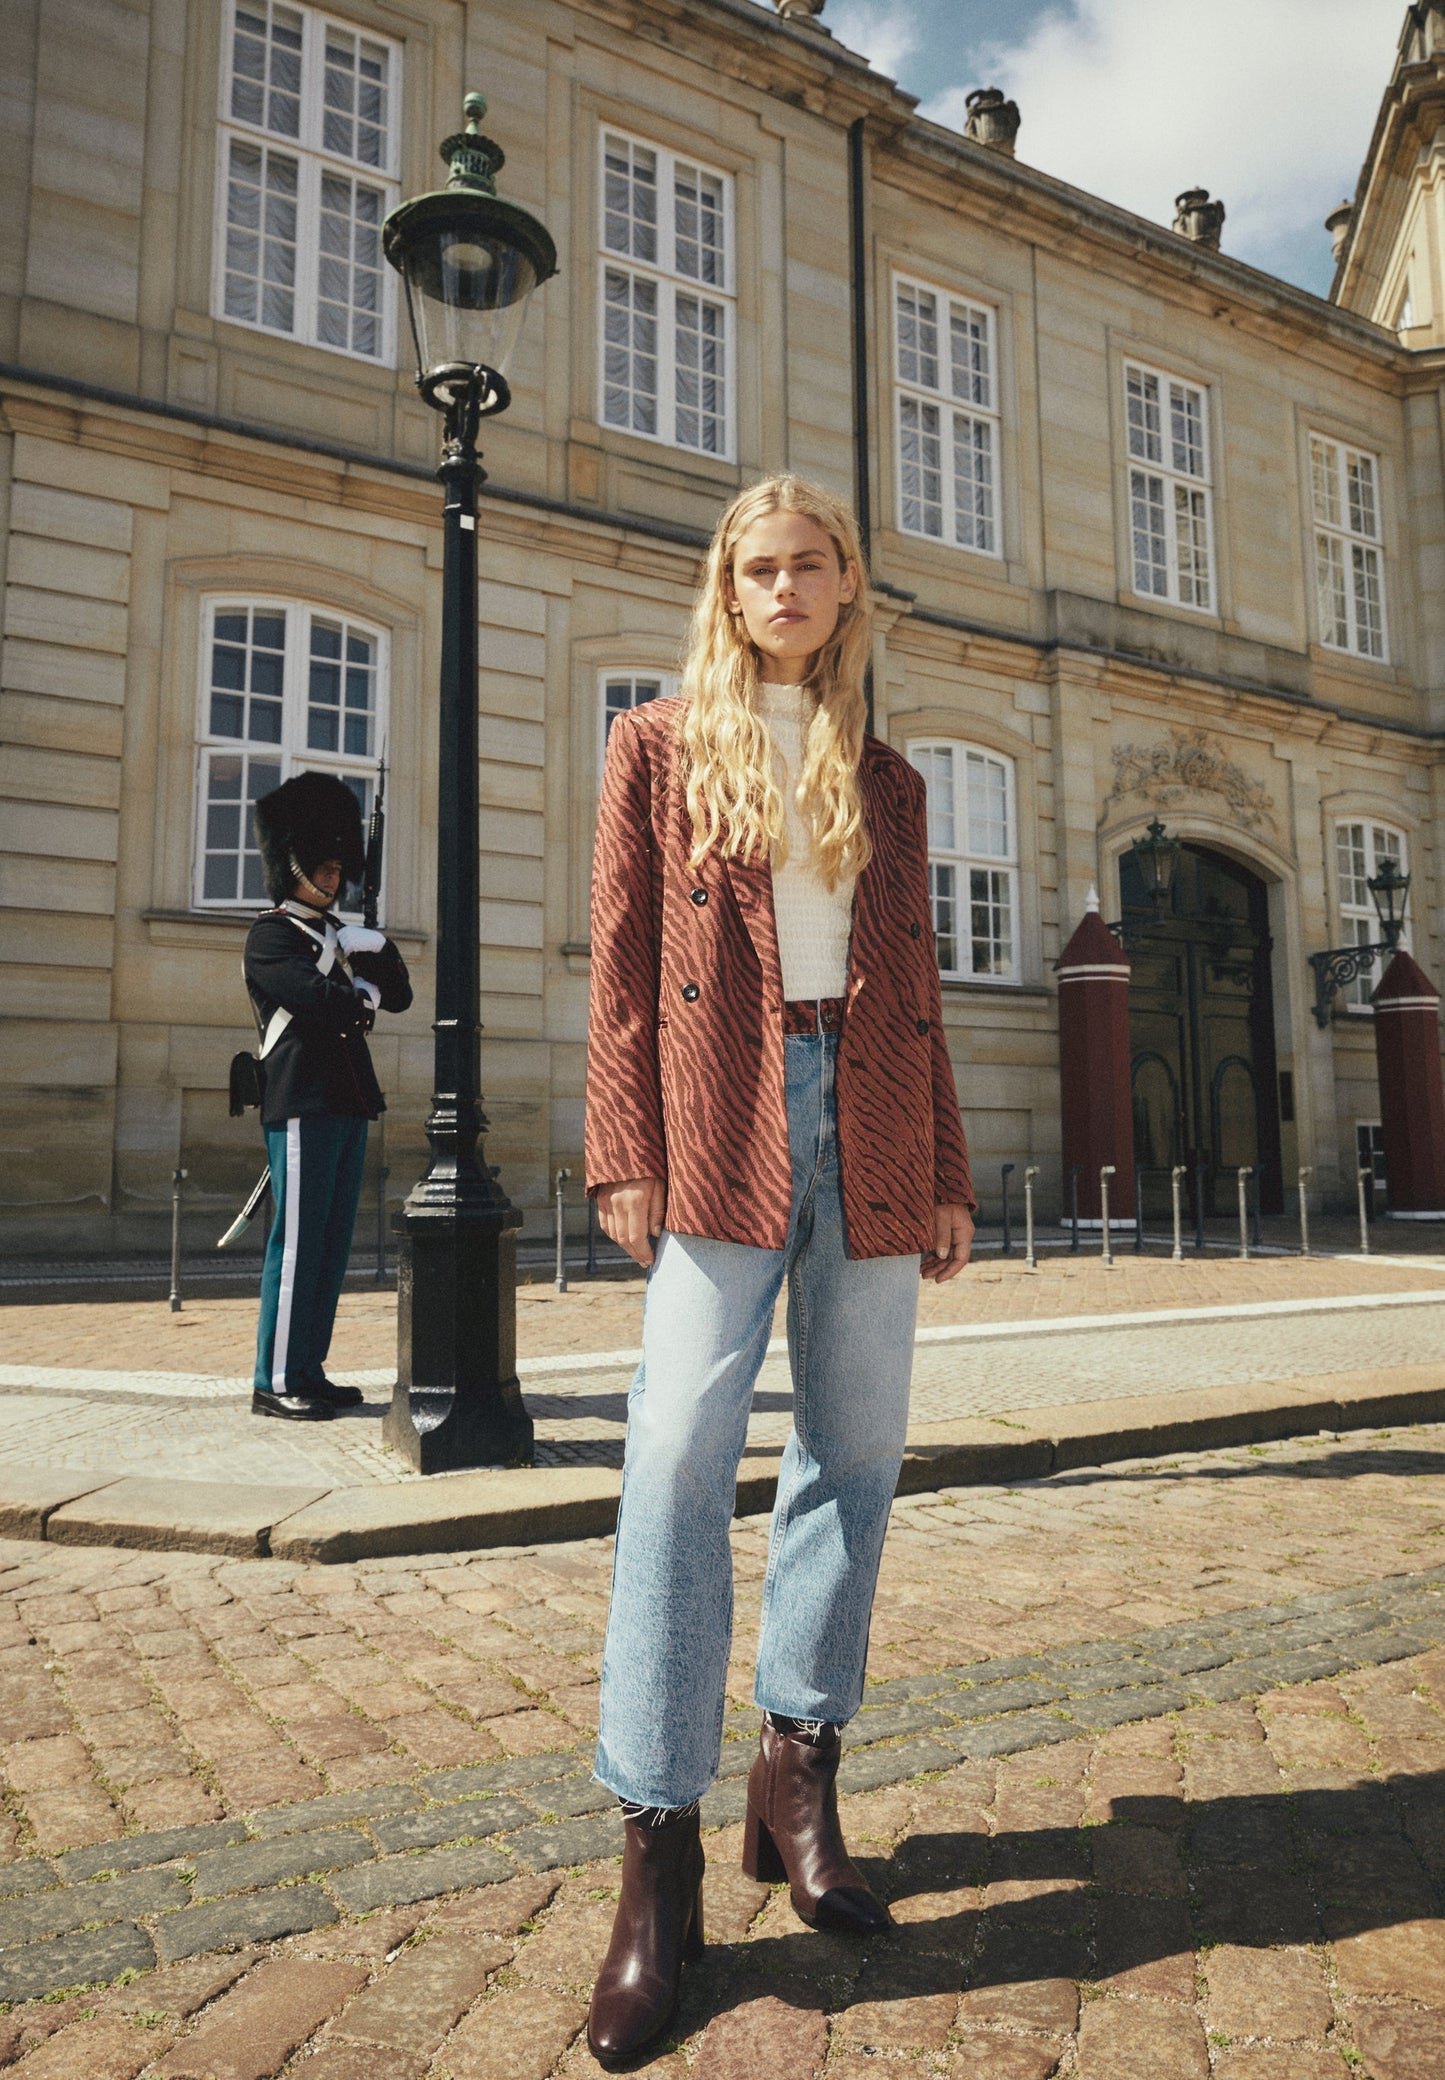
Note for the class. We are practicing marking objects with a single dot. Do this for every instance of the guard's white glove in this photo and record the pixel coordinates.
(359, 938)
(368, 989)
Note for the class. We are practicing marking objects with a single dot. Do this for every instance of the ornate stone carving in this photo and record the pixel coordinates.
(803, 14)
(1199, 219)
(1189, 762)
(991, 119)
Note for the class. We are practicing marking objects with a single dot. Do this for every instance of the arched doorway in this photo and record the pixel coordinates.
(1201, 1029)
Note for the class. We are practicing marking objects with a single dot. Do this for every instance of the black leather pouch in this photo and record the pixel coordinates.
(248, 1083)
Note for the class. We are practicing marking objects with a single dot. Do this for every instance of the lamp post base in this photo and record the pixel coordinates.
(457, 1402)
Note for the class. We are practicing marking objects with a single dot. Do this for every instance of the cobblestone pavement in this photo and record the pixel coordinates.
(1152, 1768)
(115, 1398)
(217, 1337)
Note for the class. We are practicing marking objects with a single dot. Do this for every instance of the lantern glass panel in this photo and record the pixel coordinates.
(467, 293)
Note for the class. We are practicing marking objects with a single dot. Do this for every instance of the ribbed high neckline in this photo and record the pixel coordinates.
(784, 703)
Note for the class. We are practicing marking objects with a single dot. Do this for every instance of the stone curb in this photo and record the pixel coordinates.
(536, 1506)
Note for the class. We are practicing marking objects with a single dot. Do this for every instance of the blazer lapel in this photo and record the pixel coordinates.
(752, 887)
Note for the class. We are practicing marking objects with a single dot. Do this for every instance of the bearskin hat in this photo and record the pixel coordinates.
(308, 819)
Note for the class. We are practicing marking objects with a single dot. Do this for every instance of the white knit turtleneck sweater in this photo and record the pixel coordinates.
(813, 922)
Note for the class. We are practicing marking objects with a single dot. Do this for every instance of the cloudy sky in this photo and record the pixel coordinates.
(1267, 103)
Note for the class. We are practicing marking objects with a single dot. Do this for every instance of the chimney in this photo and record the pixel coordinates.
(1198, 219)
(991, 120)
(1337, 223)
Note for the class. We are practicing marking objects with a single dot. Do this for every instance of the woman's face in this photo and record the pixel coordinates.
(788, 585)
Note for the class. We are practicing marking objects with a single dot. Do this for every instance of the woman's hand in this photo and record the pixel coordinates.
(953, 1239)
(631, 1214)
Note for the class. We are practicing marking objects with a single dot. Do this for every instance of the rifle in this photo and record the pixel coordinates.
(375, 839)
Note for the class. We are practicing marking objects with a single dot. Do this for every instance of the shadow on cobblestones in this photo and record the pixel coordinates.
(1121, 1906)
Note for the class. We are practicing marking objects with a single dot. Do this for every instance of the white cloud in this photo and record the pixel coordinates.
(1267, 103)
(887, 37)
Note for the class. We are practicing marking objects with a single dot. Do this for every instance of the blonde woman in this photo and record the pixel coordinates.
(769, 1101)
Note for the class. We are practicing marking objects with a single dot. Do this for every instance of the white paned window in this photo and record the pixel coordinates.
(948, 426)
(307, 174)
(1349, 565)
(972, 860)
(1170, 487)
(284, 689)
(1359, 850)
(667, 314)
(619, 691)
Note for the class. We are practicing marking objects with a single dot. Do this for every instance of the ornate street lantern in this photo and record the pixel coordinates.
(1339, 966)
(1156, 855)
(1389, 889)
(469, 261)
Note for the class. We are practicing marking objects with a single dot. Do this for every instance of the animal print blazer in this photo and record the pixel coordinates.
(685, 1043)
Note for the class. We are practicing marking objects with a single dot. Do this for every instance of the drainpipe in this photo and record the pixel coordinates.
(858, 246)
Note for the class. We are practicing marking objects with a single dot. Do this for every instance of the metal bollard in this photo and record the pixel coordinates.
(1008, 1233)
(1244, 1174)
(1029, 1175)
(1366, 1171)
(178, 1178)
(1074, 1207)
(1256, 1229)
(1201, 1170)
(1175, 1175)
(560, 1281)
(1304, 1213)
(1107, 1171)
(591, 1238)
(1138, 1209)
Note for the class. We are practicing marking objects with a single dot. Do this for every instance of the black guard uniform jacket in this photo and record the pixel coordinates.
(321, 1062)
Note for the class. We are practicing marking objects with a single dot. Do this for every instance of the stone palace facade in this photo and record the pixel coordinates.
(1152, 534)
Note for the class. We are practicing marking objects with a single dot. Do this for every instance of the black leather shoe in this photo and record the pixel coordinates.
(334, 1395)
(291, 1408)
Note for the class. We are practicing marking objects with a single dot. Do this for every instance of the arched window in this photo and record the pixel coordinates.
(1360, 846)
(972, 860)
(285, 688)
(620, 690)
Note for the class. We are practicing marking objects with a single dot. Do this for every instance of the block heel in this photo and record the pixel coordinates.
(761, 1860)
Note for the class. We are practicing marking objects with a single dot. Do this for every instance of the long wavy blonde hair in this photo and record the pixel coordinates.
(733, 792)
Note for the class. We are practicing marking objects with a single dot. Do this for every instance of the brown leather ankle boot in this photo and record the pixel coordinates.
(792, 1828)
(658, 1929)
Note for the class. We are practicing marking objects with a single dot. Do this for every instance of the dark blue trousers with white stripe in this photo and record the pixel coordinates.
(316, 1167)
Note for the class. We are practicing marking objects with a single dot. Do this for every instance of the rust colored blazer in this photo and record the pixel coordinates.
(685, 1040)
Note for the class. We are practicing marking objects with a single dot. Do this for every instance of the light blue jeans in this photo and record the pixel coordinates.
(705, 1328)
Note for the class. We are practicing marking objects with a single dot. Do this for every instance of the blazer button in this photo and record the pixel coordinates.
(699, 896)
(690, 993)
(915, 930)
(922, 1023)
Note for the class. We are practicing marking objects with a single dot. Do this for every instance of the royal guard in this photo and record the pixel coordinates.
(316, 986)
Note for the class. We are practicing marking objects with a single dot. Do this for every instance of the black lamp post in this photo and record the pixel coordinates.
(468, 262)
(1340, 965)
